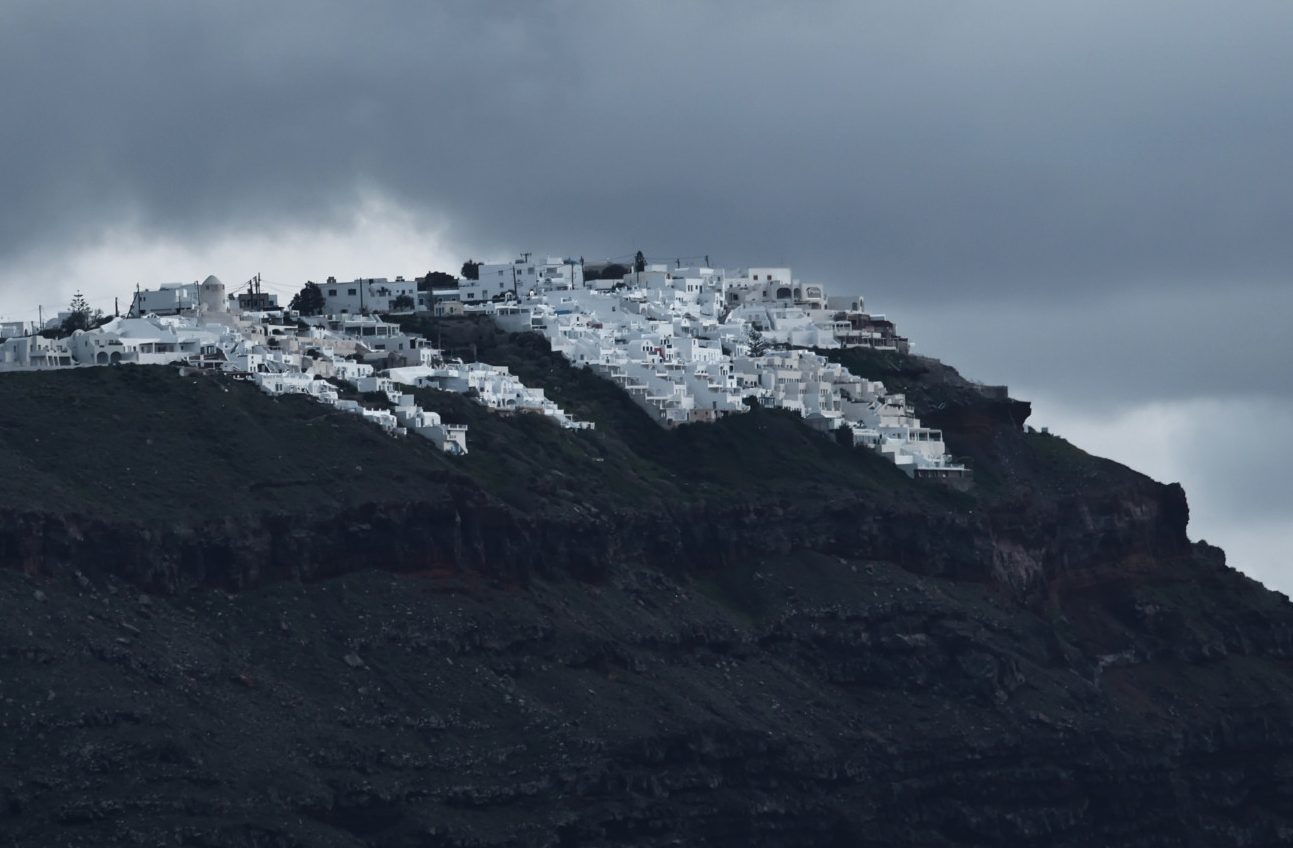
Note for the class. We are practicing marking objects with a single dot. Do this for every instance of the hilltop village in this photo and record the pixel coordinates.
(689, 344)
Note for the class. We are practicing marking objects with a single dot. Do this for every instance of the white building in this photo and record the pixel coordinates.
(255, 301)
(500, 281)
(296, 383)
(35, 353)
(152, 340)
(368, 294)
(450, 438)
(440, 302)
(493, 386)
(178, 298)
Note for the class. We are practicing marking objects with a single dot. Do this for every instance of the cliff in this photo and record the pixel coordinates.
(234, 620)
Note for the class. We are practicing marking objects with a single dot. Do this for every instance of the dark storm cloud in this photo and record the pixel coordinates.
(949, 149)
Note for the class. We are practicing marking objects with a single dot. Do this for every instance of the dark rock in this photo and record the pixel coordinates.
(705, 651)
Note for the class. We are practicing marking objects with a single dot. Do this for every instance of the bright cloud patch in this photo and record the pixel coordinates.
(378, 239)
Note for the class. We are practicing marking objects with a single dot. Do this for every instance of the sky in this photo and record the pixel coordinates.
(1089, 201)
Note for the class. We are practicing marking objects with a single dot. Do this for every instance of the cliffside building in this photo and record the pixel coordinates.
(504, 280)
(207, 296)
(368, 294)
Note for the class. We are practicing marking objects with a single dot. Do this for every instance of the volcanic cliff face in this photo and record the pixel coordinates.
(238, 622)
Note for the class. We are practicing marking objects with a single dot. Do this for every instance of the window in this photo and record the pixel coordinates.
(350, 292)
(332, 292)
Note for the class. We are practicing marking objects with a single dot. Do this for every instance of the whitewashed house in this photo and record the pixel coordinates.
(368, 294)
(150, 340)
(207, 296)
(499, 281)
(381, 417)
(450, 438)
(35, 353)
(440, 302)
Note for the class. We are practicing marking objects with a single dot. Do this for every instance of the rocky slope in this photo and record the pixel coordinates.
(230, 620)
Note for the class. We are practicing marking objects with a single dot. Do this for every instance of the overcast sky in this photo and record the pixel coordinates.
(1090, 201)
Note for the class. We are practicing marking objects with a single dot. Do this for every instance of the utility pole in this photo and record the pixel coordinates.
(116, 307)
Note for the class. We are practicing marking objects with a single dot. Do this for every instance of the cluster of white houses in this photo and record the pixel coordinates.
(196, 326)
(688, 344)
(691, 344)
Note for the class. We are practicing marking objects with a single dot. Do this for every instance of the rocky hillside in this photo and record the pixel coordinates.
(231, 620)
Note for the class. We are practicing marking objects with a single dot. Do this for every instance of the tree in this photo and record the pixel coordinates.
(437, 280)
(402, 303)
(758, 344)
(309, 300)
(76, 321)
(611, 271)
(639, 262)
(80, 316)
(471, 270)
